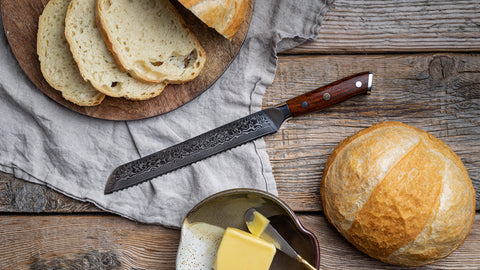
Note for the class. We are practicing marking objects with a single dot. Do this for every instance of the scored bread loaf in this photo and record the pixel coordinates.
(150, 40)
(398, 194)
(56, 61)
(225, 16)
(94, 60)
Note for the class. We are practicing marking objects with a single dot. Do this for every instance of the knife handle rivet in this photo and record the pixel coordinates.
(326, 96)
(358, 84)
(304, 104)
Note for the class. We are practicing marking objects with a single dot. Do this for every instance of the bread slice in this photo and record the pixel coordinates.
(149, 40)
(225, 16)
(56, 61)
(94, 60)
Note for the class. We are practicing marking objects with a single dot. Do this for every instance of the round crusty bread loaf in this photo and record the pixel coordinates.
(56, 61)
(398, 194)
(224, 16)
(94, 60)
(150, 40)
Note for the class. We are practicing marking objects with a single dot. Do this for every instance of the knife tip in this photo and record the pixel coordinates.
(109, 186)
(108, 190)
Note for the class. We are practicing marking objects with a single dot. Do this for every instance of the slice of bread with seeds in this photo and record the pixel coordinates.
(56, 61)
(94, 60)
(150, 40)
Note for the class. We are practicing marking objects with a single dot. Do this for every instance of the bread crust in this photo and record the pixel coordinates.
(189, 3)
(226, 18)
(444, 208)
(108, 43)
(239, 16)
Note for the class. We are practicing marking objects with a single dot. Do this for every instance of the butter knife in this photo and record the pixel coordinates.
(260, 226)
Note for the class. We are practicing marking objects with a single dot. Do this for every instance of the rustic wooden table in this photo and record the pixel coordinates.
(426, 61)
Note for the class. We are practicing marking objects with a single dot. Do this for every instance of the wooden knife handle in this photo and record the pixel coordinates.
(331, 94)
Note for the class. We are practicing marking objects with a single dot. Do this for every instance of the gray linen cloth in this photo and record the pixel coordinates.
(45, 143)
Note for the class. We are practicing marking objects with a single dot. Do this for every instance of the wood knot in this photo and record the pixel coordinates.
(91, 260)
(30, 198)
(442, 68)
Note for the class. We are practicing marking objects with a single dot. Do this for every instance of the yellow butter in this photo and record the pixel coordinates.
(258, 224)
(241, 250)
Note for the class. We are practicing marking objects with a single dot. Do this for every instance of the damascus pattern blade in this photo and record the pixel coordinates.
(205, 145)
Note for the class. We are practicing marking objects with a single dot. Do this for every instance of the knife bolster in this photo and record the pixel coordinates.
(283, 107)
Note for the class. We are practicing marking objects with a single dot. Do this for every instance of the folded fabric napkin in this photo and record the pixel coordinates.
(43, 142)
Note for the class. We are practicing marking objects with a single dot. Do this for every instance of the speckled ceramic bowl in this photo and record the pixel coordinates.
(227, 209)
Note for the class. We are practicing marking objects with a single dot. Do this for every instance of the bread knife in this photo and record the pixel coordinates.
(238, 132)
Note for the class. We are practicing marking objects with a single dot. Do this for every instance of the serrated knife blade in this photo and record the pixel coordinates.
(235, 133)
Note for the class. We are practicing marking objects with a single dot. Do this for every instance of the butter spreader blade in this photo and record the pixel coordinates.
(260, 226)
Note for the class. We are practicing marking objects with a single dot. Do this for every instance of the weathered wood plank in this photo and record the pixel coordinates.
(20, 196)
(439, 93)
(111, 242)
(353, 26)
(84, 242)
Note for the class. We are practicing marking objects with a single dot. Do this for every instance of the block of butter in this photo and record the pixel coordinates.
(240, 250)
(258, 224)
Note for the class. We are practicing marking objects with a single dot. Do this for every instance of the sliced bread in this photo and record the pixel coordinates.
(149, 40)
(56, 61)
(225, 16)
(94, 60)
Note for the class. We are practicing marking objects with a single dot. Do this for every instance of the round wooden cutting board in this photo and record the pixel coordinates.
(20, 20)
